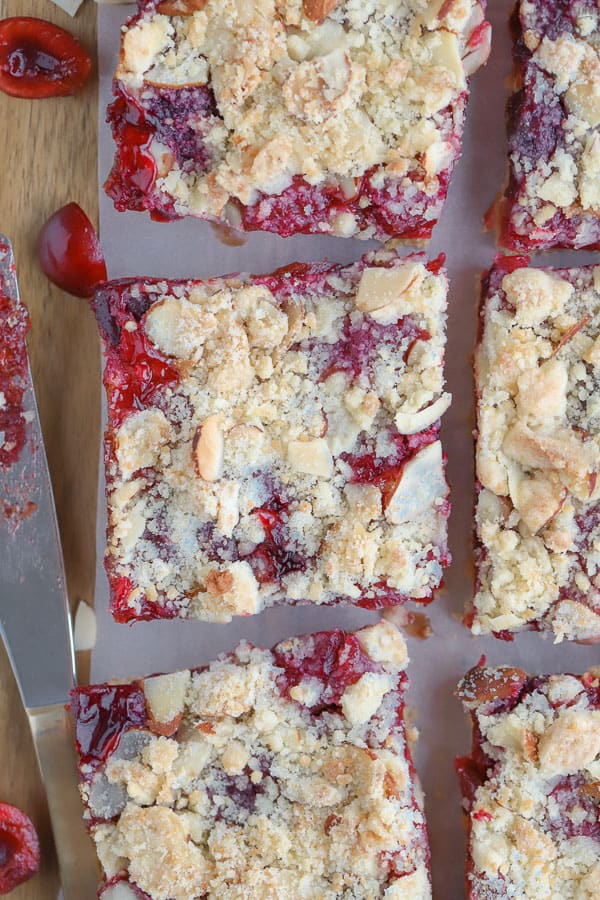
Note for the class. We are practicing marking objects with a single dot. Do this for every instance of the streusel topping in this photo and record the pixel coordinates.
(252, 780)
(557, 172)
(534, 818)
(538, 452)
(322, 92)
(296, 456)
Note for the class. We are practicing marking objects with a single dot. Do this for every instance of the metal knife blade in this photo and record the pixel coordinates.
(34, 611)
(35, 624)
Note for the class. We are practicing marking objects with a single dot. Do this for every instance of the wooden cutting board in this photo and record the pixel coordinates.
(48, 154)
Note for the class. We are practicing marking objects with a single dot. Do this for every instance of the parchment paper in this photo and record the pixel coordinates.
(136, 246)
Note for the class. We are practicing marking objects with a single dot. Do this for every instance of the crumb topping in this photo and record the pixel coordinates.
(555, 173)
(297, 456)
(323, 93)
(533, 819)
(256, 790)
(538, 453)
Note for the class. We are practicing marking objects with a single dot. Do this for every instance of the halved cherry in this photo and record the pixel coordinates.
(39, 59)
(19, 848)
(70, 253)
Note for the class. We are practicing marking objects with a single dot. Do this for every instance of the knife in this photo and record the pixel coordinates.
(35, 624)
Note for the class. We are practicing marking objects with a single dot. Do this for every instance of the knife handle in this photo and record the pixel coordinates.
(56, 756)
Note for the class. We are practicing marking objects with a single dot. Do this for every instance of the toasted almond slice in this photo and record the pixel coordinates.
(84, 631)
(315, 10)
(420, 486)
(483, 685)
(208, 448)
(120, 891)
(537, 499)
(165, 701)
(311, 457)
(380, 290)
(410, 423)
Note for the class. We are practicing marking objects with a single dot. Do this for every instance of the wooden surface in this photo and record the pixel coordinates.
(48, 154)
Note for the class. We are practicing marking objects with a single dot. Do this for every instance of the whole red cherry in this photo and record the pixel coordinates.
(39, 59)
(19, 848)
(70, 253)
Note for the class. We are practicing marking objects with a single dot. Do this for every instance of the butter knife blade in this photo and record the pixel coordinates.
(35, 624)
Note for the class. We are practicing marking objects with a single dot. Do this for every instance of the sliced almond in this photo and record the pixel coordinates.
(120, 891)
(591, 789)
(315, 10)
(537, 499)
(84, 630)
(410, 423)
(478, 52)
(311, 457)
(165, 701)
(485, 685)
(380, 290)
(208, 448)
(422, 483)
(228, 514)
(180, 7)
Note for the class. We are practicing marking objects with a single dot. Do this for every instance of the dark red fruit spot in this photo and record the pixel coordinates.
(134, 171)
(69, 252)
(144, 610)
(19, 848)
(134, 374)
(38, 59)
(14, 324)
(335, 658)
(273, 559)
(102, 713)
(471, 775)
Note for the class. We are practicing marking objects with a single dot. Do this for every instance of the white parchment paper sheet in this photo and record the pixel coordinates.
(136, 246)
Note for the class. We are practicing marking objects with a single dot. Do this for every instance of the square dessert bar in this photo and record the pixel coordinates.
(328, 116)
(275, 438)
(532, 785)
(262, 771)
(553, 194)
(538, 451)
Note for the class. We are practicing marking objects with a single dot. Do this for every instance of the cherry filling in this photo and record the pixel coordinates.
(385, 472)
(39, 59)
(134, 374)
(14, 325)
(566, 821)
(19, 848)
(335, 658)
(102, 713)
(176, 120)
(134, 170)
(363, 340)
(272, 559)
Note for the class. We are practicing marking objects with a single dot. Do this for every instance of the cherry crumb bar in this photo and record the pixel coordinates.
(319, 117)
(532, 785)
(265, 770)
(538, 451)
(275, 438)
(553, 194)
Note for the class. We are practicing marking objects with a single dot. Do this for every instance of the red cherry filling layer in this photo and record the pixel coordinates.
(19, 848)
(101, 715)
(39, 59)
